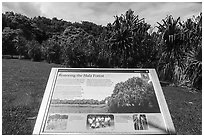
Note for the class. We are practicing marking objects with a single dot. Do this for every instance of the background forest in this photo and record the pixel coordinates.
(173, 47)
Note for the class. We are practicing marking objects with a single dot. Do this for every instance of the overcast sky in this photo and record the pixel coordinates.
(102, 13)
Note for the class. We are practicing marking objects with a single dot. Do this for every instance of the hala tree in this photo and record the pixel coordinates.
(180, 50)
(171, 64)
(122, 37)
(192, 32)
(133, 95)
(128, 41)
(193, 71)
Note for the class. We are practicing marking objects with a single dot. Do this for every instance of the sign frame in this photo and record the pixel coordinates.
(43, 111)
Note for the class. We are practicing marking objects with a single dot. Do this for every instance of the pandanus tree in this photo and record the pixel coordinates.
(126, 33)
(122, 38)
(194, 70)
(171, 53)
(193, 32)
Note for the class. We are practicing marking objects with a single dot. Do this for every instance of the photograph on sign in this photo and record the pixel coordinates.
(140, 122)
(100, 121)
(57, 122)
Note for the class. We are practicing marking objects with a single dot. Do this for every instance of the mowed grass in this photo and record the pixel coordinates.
(23, 85)
(24, 82)
(185, 107)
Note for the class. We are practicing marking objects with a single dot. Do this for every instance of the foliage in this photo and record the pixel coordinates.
(171, 63)
(180, 48)
(194, 70)
(102, 52)
(89, 27)
(52, 51)
(77, 47)
(34, 50)
(192, 32)
(8, 36)
(128, 42)
(20, 46)
(133, 95)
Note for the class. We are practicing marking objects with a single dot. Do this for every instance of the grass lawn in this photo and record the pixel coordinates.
(24, 82)
(23, 85)
(186, 109)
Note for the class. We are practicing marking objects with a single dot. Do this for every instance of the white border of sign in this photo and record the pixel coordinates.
(38, 129)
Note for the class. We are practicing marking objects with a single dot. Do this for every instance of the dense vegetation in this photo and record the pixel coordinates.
(133, 95)
(174, 49)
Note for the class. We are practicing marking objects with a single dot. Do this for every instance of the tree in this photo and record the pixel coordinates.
(20, 45)
(18, 21)
(52, 50)
(180, 52)
(127, 41)
(122, 38)
(4, 21)
(194, 70)
(193, 48)
(8, 43)
(171, 65)
(102, 52)
(77, 47)
(192, 32)
(133, 95)
(89, 27)
(34, 50)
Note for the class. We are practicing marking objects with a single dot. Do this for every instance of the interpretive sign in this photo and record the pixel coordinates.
(103, 101)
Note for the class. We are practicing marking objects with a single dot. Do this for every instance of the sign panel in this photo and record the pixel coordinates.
(103, 101)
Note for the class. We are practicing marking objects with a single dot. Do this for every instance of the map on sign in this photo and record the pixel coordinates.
(120, 101)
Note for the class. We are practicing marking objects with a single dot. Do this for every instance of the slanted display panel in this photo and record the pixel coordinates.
(103, 101)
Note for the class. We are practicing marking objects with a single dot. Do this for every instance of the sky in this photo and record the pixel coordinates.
(103, 13)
